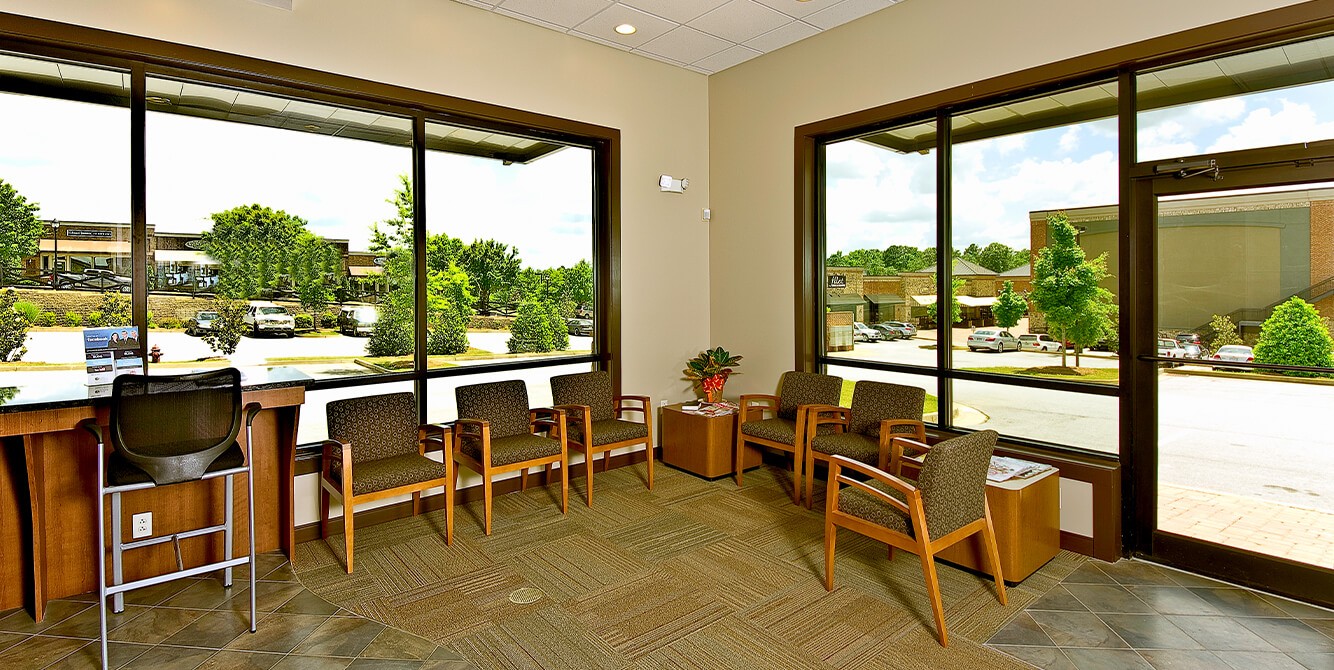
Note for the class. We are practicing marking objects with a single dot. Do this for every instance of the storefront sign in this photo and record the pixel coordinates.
(195, 244)
(89, 234)
(110, 352)
(838, 281)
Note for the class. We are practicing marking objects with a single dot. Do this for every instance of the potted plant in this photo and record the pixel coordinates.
(710, 370)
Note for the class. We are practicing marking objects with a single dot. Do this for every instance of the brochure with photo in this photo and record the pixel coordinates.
(109, 352)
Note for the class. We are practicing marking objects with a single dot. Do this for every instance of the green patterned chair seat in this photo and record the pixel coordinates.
(863, 505)
(856, 446)
(513, 449)
(390, 473)
(608, 431)
(778, 430)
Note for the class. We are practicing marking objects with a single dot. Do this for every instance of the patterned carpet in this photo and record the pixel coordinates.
(694, 574)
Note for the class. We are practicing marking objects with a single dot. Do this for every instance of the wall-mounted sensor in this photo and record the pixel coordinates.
(668, 185)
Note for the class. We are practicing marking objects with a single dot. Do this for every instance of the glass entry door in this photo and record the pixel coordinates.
(1241, 473)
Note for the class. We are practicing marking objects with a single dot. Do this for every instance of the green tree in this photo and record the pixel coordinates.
(315, 270)
(493, 268)
(441, 250)
(1295, 335)
(393, 331)
(449, 305)
(1224, 332)
(448, 334)
(996, 256)
(252, 245)
(1093, 325)
(871, 260)
(1009, 307)
(225, 333)
(560, 332)
(956, 314)
(1065, 282)
(579, 283)
(900, 258)
(20, 231)
(531, 330)
(13, 328)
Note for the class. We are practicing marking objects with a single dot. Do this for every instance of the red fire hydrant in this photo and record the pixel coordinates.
(155, 355)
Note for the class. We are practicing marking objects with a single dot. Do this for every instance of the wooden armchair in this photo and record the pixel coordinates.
(496, 433)
(595, 419)
(863, 433)
(377, 450)
(946, 504)
(785, 430)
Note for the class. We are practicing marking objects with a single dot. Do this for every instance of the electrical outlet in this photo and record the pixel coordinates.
(141, 525)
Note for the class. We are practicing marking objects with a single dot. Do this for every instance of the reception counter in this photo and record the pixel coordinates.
(48, 488)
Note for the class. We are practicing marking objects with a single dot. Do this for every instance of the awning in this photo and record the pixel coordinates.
(974, 301)
(183, 256)
(883, 299)
(923, 300)
(843, 300)
(87, 247)
(365, 270)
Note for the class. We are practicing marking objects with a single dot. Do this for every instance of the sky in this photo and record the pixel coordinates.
(877, 197)
(73, 159)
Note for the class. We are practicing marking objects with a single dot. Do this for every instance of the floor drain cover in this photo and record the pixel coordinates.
(525, 596)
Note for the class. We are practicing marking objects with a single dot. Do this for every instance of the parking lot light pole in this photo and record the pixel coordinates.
(55, 248)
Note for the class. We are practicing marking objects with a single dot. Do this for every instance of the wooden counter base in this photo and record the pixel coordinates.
(48, 502)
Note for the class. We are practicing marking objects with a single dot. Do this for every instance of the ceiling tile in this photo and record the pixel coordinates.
(841, 13)
(680, 11)
(726, 58)
(567, 13)
(782, 36)
(740, 20)
(603, 26)
(685, 45)
(599, 40)
(529, 19)
(797, 9)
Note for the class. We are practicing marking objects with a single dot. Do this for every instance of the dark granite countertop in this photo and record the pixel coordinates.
(55, 390)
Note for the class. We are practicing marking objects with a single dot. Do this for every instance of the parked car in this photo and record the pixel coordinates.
(1187, 338)
(889, 332)
(1192, 350)
(1039, 342)
(200, 323)
(266, 317)
(906, 327)
(1239, 353)
(995, 339)
(1169, 348)
(864, 333)
(93, 278)
(357, 319)
(579, 326)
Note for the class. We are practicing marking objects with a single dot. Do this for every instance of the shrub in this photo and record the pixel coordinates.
(45, 320)
(152, 323)
(392, 335)
(73, 319)
(328, 320)
(225, 335)
(13, 328)
(1295, 335)
(1224, 332)
(531, 330)
(304, 321)
(95, 319)
(115, 309)
(560, 332)
(29, 311)
(448, 334)
(170, 322)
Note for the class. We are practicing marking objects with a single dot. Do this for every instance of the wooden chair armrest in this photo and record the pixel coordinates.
(425, 438)
(549, 412)
(838, 463)
(472, 427)
(574, 413)
(548, 418)
(644, 404)
(891, 443)
(751, 402)
(327, 455)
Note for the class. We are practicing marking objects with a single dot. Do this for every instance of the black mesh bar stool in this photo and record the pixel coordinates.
(169, 429)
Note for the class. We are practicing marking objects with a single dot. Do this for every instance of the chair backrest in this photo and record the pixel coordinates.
(174, 426)
(873, 402)
(954, 481)
(585, 388)
(377, 426)
(504, 404)
(807, 388)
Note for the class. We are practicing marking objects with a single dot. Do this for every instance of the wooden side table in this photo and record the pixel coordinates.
(704, 445)
(1027, 517)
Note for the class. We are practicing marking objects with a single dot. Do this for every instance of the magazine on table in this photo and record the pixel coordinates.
(721, 408)
(1004, 469)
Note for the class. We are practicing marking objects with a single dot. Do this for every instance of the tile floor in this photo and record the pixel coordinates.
(196, 623)
(1133, 614)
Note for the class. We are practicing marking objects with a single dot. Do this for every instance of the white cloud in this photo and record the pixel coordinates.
(1070, 139)
(1291, 123)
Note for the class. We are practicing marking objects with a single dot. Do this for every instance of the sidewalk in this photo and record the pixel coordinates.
(1302, 535)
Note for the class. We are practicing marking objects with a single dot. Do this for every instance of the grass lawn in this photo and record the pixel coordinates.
(845, 398)
(1101, 375)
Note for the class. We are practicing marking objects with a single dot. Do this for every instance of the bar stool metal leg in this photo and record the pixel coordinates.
(250, 511)
(117, 554)
(101, 555)
(227, 531)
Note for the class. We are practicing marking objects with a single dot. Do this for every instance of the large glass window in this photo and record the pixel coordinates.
(278, 233)
(65, 213)
(509, 250)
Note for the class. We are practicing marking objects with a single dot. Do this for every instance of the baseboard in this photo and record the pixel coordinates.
(1080, 544)
(403, 510)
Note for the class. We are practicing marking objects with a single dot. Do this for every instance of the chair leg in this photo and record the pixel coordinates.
(416, 503)
(648, 452)
(117, 554)
(449, 501)
(228, 528)
(588, 474)
(606, 460)
(548, 475)
(565, 483)
(933, 590)
(810, 476)
(324, 510)
(740, 456)
(993, 555)
(349, 515)
(486, 500)
(830, 535)
(523, 479)
(797, 456)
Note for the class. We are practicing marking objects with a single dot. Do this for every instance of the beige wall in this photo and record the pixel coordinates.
(910, 49)
(450, 48)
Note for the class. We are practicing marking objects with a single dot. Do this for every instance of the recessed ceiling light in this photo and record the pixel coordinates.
(157, 100)
(626, 29)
